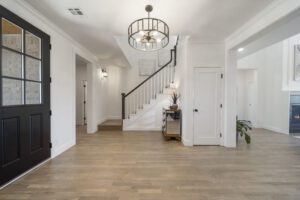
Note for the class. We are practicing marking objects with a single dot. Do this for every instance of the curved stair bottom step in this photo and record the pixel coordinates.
(111, 125)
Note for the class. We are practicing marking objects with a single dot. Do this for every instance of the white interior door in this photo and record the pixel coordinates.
(249, 100)
(251, 96)
(207, 106)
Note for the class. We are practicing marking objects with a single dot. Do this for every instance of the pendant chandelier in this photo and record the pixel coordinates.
(148, 34)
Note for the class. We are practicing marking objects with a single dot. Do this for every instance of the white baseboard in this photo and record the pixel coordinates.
(62, 148)
(187, 143)
(275, 129)
(27, 172)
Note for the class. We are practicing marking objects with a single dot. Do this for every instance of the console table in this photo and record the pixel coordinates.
(171, 125)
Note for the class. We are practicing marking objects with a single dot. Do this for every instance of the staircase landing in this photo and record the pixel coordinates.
(111, 125)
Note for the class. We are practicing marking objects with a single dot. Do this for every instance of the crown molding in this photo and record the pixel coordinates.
(272, 13)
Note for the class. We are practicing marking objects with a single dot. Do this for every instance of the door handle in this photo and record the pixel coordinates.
(195, 110)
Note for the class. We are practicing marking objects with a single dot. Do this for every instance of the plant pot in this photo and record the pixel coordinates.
(174, 107)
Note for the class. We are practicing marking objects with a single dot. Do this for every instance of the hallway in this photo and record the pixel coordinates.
(119, 166)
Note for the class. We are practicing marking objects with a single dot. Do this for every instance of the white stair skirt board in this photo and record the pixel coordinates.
(150, 117)
(275, 129)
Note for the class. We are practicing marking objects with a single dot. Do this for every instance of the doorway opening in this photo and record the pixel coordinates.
(81, 94)
(267, 77)
(247, 95)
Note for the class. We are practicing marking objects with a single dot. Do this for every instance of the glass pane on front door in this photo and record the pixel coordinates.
(11, 64)
(12, 35)
(33, 45)
(33, 92)
(33, 69)
(12, 92)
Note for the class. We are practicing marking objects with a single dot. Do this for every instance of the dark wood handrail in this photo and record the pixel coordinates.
(144, 81)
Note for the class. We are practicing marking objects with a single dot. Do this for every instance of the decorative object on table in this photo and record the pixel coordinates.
(297, 63)
(171, 125)
(175, 96)
(148, 34)
(146, 67)
(242, 128)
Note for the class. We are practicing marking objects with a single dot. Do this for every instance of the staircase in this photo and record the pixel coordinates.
(148, 90)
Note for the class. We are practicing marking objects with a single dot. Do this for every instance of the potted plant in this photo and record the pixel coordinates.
(175, 96)
(242, 128)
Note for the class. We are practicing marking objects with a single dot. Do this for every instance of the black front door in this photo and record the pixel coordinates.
(24, 96)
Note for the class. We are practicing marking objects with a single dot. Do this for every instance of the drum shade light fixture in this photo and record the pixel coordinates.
(148, 34)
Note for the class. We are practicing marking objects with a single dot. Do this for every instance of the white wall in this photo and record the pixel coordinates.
(206, 54)
(116, 83)
(193, 54)
(81, 77)
(272, 102)
(62, 62)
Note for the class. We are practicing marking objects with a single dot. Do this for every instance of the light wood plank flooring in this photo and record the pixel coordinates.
(131, 166)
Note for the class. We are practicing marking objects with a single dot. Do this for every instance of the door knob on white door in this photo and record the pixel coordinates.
(195, 110)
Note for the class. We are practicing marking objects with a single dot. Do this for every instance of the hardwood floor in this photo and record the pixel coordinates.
(121, 166)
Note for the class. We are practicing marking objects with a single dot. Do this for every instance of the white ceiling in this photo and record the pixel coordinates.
(202, 20)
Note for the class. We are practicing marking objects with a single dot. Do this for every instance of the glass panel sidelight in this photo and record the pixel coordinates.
(11, 64)
(32, 45)
(12, 92)
(33, 92)
(11, 35)
(33, 69)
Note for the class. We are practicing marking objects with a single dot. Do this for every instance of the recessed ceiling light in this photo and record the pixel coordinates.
(241, 49)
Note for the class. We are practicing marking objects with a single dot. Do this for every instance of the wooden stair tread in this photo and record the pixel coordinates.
(111, 125)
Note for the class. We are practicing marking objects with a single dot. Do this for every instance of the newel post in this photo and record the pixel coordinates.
(123, 105)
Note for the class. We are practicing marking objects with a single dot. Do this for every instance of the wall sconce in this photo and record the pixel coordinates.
(103, 73)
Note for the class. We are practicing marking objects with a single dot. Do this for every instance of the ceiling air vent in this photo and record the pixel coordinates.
(75, 11)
